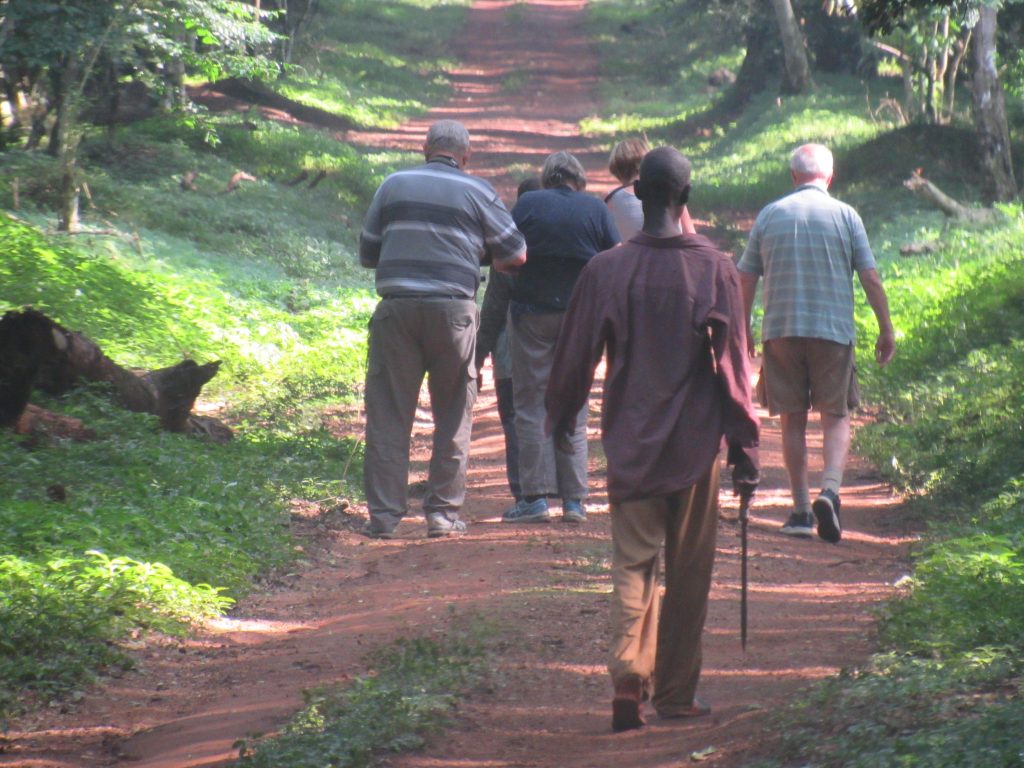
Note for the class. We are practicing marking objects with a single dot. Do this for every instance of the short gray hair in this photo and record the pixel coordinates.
(447, 136)
(813, 160)
(562, 168)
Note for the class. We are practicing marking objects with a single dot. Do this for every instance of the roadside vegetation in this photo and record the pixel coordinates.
(140, 529)
(945, 688)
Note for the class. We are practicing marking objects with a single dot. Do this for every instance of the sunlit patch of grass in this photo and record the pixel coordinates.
(412, 690)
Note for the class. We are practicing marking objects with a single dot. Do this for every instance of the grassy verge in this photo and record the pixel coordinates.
(409, 693)
(138, 528)
(945, 687)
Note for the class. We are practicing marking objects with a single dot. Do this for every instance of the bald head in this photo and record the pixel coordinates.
(664, 178)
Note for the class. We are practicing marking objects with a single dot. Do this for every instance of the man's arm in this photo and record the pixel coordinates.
(492, 315)
(370, 237)
(885, 346)
(748, 287)
(511, 264)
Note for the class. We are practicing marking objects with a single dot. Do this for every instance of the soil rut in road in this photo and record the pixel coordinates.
(548, 704)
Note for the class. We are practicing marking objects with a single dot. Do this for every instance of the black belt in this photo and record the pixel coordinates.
(426, 296)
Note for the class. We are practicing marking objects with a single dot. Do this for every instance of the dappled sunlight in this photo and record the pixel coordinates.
(239, 629)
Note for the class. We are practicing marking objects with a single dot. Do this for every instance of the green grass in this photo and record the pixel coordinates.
(410, 692)
(156, 530)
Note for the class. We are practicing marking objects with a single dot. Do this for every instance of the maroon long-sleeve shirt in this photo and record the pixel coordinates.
(673, 388)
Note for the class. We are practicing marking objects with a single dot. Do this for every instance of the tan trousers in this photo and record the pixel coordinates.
(665, 654)
(410, 338)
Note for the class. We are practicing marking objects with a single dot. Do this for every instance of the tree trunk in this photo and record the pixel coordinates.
(37, 352)
(65, 146)
(990, 110)
(797, 77)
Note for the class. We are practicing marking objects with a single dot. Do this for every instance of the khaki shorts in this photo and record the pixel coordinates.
(801, 372)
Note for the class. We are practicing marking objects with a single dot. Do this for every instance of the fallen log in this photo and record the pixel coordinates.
(36, 352)
(919, 185)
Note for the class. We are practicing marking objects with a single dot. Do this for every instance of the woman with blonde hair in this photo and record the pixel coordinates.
(624, 164)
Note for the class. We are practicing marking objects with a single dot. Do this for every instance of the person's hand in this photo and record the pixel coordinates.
(885, 347)
(745, 474)
(562, 435)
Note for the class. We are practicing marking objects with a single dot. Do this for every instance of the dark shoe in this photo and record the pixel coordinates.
(697, 709)
(826, 510)
(373, 532)
(627, 706)
(439, 525)
(799, 524)
(573, 511)
(528, 512)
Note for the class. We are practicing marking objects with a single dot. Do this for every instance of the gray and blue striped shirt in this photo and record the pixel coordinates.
(807, 246)
(430, 228)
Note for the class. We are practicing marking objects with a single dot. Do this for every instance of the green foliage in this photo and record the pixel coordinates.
(411, 691)
(655, 62)
(354, 69)
(952, 397)
(149, 520)
(265, 280)
(905, 711)
(60, 619)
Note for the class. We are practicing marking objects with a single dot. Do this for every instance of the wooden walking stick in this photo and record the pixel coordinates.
(745, 495)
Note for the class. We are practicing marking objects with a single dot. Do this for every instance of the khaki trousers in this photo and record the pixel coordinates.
(665, 654)
(543, 470)
(410, 338)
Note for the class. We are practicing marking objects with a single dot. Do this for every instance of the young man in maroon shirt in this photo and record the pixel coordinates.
(667, 308)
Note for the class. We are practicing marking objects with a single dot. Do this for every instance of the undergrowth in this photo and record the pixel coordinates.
(139, 529)
(411, 691)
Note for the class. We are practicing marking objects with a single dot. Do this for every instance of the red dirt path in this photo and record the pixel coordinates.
(548, 704)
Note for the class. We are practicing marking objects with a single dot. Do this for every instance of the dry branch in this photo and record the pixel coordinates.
(919, 185)
(237, 179)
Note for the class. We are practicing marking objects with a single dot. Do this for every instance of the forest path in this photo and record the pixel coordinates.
(527, 78)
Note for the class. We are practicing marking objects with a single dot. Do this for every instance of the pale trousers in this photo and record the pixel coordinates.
(665, 654)
(543, 470)
(410, 338)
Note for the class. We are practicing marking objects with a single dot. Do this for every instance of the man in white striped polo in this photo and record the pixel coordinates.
(807, 246)
(427, 232)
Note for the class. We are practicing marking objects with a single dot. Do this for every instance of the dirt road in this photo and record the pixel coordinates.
(548, 705)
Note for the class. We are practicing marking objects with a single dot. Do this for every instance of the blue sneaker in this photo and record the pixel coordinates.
(527, 512)
(573, 511)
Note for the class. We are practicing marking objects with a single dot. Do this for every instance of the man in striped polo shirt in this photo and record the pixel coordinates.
(808, 246)
(427, 232)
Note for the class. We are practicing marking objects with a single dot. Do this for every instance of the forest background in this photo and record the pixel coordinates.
(165, 229)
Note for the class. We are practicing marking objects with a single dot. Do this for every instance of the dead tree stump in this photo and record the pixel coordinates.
(36, 352)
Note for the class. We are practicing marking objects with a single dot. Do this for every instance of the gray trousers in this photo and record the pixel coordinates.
(410, 338)
(543, 471)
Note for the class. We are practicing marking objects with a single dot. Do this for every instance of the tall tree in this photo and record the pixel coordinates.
(990, 109)
(989, 104)
(797, 74)
(59, 43)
